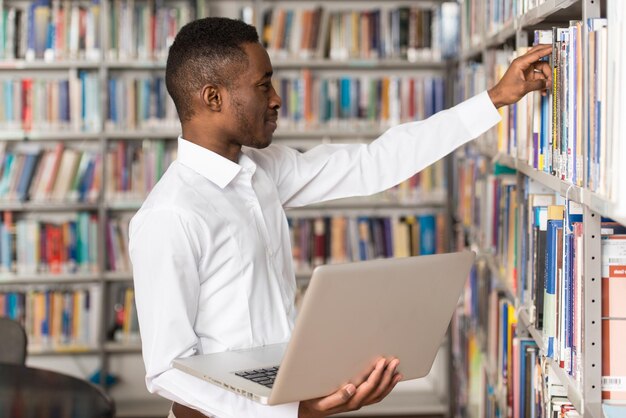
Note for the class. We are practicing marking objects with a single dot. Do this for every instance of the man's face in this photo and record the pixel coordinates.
(252, 101)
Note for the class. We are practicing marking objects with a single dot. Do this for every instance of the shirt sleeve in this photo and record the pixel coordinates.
(332, 171)
(165, 249)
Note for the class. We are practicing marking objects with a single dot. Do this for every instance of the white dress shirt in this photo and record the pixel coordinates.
(210, 247)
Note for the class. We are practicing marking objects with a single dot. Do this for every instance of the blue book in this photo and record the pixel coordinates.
(66, 318)
(64, 101)
(288, 30)
(429, 109)
(12, 308)
(72, 247)
(523, 345)
(323, 104)
(86, 180)
(26, 176)
(439, 94)
(363, 226)
(112, 100)
(31, 30)
(45, 325)
(553, 245)
(159, 93)
(505, 337)
(8, 99)
(82, 239)
(6, 176)
(82, 75)
(428, 244)
(345, 100)
(145, 96)
(387, 228)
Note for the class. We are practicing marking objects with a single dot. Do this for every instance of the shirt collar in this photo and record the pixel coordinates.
(211, 165)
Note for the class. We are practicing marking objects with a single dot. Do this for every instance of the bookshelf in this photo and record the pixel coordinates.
(499, 183)
(112, 49)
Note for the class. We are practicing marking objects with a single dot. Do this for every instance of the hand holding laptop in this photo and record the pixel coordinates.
(382, 379)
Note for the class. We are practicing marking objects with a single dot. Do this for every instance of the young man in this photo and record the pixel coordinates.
(210, 246)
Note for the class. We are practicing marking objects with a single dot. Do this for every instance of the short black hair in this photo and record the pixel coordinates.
(207, 50)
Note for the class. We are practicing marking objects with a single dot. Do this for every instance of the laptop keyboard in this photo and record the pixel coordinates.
(263, 377)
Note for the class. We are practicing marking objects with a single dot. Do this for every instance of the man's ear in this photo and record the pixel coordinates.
(212, 97)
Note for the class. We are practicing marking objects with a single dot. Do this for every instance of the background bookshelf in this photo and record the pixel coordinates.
(537, 198)
(87, 129)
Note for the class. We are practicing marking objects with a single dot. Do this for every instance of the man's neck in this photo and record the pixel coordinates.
(212, 141)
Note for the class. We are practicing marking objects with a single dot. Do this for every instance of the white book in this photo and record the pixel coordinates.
(65, 176)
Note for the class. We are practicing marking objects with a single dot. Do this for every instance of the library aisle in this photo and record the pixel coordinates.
(540, 331)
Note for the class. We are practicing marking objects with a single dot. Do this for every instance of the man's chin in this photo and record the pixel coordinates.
(262, 143)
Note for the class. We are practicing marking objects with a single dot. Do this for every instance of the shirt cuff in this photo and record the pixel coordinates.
(287, 410)
(478, 114)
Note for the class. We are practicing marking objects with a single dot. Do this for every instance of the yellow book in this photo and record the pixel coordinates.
(129, 302)
(556, 212)
(76, 317)
(401, 240)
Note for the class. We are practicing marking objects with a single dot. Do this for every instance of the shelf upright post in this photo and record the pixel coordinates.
(592, 331)
(592, 346)
(103, 73)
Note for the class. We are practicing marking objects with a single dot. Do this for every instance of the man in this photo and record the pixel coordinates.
(210, 245)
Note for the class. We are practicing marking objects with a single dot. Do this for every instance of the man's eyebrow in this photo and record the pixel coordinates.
(267, 75)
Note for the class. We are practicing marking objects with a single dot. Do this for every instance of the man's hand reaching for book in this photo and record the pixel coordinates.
(525, 74)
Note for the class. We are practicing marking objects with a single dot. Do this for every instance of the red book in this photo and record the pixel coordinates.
(27, 104)
(613, 359)
(319, 241)
(54, 243)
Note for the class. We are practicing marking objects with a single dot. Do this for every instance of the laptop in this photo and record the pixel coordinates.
(351, 315)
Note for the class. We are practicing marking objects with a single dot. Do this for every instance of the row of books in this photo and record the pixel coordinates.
(60, 29)
(46, 173)
(49, 244)
(537, 244)
(139, 102)
(428, 184)
(548, 279)
(506, 374)
(51, 103)
(409, 33)
(326, 239)
(481, 18)
(486, 202)
(339, 239)
(32, 171)
(134, 167)
(145, 30)
(546, 132)
(50, 30)
(123, 323)
(55, 318)
(310, 100)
